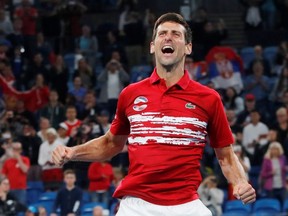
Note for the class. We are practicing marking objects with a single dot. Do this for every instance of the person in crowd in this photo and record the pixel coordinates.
(68, 198)
(23, 115)
(54, 111)
(62, 133)
(9, 206)
(254, 133)
(280, 86)
(98, 211)
(91, 107)
(16, 37)
(32, 211)
(211, 196)
(273, 172)
(72, 121)
(16, 169)
(258, 56)
(86, 73)
(44, 47)
(31, 145)
(100, 175)
(281, 127)
(87, 45)
(233, 101)
(5, 23)
(112, 79)
(52, 175)
(78, 91)
(44, 124)
(258, 84)
(159, 149)
(34, 67)
(104, 120)
(59, 76)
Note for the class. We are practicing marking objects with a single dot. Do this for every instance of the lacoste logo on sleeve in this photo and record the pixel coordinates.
(190, 106)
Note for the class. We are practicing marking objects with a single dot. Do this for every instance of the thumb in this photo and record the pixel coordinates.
(236, 192)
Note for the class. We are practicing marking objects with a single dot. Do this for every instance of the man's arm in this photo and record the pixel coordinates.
(99, 149)
(234, 173)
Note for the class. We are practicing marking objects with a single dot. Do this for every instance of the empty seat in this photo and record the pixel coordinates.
(236, 206)
(267, 205)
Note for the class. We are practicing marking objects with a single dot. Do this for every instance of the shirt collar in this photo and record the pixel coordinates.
(182, 83)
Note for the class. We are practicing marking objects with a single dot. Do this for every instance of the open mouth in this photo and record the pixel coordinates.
(167, 49)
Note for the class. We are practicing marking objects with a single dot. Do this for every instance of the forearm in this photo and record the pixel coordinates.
(99, 149)
(231, 167)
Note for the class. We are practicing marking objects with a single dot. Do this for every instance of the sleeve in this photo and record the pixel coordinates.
(219, 131)
(42, 159)
(121, 125)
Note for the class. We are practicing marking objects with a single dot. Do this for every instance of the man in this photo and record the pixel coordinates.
(68, 198)
(16, 169)
(167, 118)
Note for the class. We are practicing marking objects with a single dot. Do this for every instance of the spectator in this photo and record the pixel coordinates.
(35, 67)
(31, 145)
(232, 120)
(100, 176)
(16, 37)
(9, 206)
(5, 23)
(258, 56)
(112, 79)
(71, 120)
(87, 45)
(250, 104)
(254, 133)
(78, 91)
(258, 84)
(85, 73)
(69, 198)
(91, 107)
(211, 196)
(273, 172)
(233, 101)
(62, 134)
(59, 76)
(16, 169)
(98, 211)
(281, 127)
(6, 147)
(54, 111)
(103, 119)
(280, 86)
(44, 47)
(44, 125)
(23, 115)
(31, 211)
(52, 175)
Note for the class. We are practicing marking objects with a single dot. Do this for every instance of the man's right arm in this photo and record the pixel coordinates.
(98, 149)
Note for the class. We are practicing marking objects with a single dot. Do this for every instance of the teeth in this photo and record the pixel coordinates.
(167, 47)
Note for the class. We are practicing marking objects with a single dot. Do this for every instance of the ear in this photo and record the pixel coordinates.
(152, 47)
(188, 49)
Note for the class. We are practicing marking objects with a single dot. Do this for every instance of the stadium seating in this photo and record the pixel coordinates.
(34, 190)
(267, 206)
(247, 55)
(88, 207)
(236, 206)
(270, 53)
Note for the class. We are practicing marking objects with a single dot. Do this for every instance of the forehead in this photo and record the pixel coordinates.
(171, 26)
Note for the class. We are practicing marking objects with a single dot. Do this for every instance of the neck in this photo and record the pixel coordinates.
(171, 74)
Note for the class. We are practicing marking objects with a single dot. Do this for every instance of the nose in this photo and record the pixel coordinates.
(168, 36)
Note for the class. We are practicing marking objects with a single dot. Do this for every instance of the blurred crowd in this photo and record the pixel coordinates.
(60, 80)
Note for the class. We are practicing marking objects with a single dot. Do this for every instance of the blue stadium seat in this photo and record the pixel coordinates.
(236, 206)
(48, 205)
(285, 205)
(86, 198)
(254, 176)
(270, 53)
(34, 190)
(247, 54)
(140, 72)
(235, 214)
(267, 205)
(48, 196)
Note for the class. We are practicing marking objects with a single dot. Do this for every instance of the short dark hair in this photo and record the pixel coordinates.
(69, 171)
(173, 17)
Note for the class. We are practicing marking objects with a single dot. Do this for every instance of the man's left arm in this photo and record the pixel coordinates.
(234, 173)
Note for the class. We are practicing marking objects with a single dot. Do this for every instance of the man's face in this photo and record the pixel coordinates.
(169, 45)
